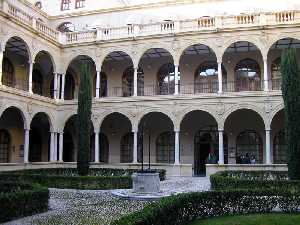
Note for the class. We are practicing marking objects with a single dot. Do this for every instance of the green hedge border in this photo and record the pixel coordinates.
(100, 179)
(21, 199)
(185, 208)
(252, 180)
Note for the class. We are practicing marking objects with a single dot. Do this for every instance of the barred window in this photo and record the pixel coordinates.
(8, 73)
(249, 143)
(165, 147)
(166, 79)
(65, 5)
(126, 149)
(4, 146)
(275, 69)
(79, 4)
(279, 148)
(127, 81)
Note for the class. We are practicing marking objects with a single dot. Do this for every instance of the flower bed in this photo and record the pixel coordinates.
(68, 178)
(21, 199)
(252, 180)
(184, 208)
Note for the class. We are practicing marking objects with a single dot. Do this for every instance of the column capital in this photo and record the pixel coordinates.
(221, 130)
(134, 131)
(177, 130)
(219, 62)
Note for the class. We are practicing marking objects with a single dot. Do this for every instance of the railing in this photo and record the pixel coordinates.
(82, 36)
(275, 84)
(41, 27)
(20, 15)
(165, 27)
(120, 92)
(243, 85)
(17, 84)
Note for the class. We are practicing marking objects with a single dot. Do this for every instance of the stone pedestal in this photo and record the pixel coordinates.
(145, 182)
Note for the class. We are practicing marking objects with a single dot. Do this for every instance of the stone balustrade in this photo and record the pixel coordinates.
(165, 27)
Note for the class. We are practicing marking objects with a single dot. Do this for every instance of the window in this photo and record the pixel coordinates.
(8, 73)
(65, 4)
(247, 75)
(79, 4)
(206, 77)
(4, 146)
(165, 145)
(279, 148)
(66, 27)
(126, 155)
(276, 74)
(127, 81)
(38, 5)
(166, 79)
(37, 82)
(249, 143)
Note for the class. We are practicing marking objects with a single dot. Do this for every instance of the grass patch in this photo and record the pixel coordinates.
(256, 219)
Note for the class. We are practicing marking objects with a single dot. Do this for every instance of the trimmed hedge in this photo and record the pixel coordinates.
(184, 208)
(21, 199)
(253, 180)
(103, 179)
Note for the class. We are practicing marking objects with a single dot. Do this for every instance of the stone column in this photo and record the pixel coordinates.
(177, 148)
(220, 77)
(266, 77)
(55, 86)
(61, 147)
(176, 92)
(135, 146)
(97, 147)
(55, 148)
(268, 147)
(221, 148)
(26, 146)
(58, 85)
(1, 62)
(98, 79)
(52, 147)
(30, 77)
(135, 81)
(63, 80)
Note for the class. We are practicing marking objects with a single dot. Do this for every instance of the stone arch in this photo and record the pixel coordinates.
(210, 45)
(235, 108)
(72, 57)
(51, 58)
(49, 116)
(164, 112)
(22, 111)
(185, 112)
(65, 119)
(109, 51)
(274, 112)
(255, 41)
(106, 114)
(142, 51)
(279, 37)
(24, 39)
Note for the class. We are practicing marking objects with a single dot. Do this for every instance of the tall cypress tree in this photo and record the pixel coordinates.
(291, 97)
(83, 120)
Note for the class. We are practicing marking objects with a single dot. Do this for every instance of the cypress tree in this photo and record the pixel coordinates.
(83, 120)
(291, 97)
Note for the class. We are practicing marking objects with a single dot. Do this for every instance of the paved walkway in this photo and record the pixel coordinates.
(76, 207)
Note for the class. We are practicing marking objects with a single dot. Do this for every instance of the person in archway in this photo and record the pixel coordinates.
(211, 158)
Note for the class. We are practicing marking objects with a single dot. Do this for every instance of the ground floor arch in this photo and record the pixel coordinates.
(12, 136)
(246, 137)
(278, 140)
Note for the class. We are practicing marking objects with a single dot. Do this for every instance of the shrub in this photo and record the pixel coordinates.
(253, 180)
(183, 208)
(21, 199)
(101, 179)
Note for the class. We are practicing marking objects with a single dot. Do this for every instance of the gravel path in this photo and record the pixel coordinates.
(76, 207)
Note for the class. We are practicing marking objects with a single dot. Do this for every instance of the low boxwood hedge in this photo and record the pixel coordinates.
(184, 208)
(252, 180)
(103, 179)
(21, 199)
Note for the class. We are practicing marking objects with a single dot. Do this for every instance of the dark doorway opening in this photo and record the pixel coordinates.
(68, 152)
(203, 145)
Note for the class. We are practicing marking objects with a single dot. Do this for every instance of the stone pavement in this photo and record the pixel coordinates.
(90, 207)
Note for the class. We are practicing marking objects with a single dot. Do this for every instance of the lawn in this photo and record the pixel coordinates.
(257, 219)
